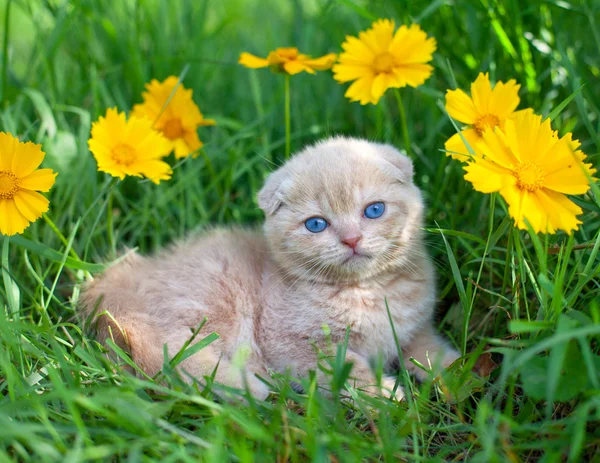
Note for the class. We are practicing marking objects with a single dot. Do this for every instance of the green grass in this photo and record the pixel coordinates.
(531, 302)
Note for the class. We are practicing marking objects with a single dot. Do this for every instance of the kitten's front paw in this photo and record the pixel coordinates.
(387, 389)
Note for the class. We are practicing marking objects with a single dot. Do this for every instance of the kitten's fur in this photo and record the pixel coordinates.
(271, 296)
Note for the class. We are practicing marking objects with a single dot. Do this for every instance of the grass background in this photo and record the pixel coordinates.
(530, 302)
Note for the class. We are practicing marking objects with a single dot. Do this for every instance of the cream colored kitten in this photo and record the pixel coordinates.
(342, 236)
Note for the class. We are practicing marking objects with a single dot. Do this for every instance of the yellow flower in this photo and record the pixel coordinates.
(174, 114)
(487, 107)
(129, 147)
(533, 170)
(289, 61)
(20, 181)
(380, 59)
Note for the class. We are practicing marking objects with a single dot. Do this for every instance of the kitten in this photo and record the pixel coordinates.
(342, 235)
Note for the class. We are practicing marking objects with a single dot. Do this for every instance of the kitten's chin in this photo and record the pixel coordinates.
(356, 262)
(360, 266)
(364, 265)
(352, 269)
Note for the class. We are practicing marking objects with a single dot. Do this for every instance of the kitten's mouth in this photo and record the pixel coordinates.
(355, 255)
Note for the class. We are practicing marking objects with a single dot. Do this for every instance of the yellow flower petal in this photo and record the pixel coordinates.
(570, 180)
(529, 138)
(361, 90)
(486, 176)
(323, 63)
(193, 142)
(561, 156)
(347, 72)
(412, 74)
(380, 84)
(513, 197)
(504, 99)
(533, 210)
(39, 180)
(155, 170)
(456, 148)
(411, 45)
(11, 220)
(31, 204)
(294, 67)
(116, 171)
(115, 123)
(167, 101)
(251, 61)
(148, 143)
(562, 212)
(181, 148)
(28, 156)
(523, 204)
(461, 107)
(481, 91)
(494, 147)
(8, 144)
(356, 50)
(207, 122)
(379, 36)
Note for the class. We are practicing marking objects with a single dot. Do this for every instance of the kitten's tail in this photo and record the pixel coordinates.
(111, 308)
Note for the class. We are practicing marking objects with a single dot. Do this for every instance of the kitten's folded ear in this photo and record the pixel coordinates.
(271, 194)
(402, 164)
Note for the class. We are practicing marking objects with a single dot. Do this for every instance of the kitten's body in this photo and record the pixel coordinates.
(271, 296)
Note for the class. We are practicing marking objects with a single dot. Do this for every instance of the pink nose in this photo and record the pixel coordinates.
(351, 241)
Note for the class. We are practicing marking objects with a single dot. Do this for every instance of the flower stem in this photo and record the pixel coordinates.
(9, 285)
(61, 237)
(403, 122)
(65, 241)
(4, 95)
(288, 140)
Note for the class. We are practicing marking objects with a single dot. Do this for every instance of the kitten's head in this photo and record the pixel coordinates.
(342, 210)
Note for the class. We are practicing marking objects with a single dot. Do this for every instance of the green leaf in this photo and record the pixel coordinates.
(570, 380)
(359, 10)
(42, 107)
(55, 256)
(61, 151)
(212, 337)
(556, 111)
(522, 326)
(430, 9)
(503, 38)
(460, 287)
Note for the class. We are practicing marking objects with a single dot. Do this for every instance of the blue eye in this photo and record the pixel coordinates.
(316, 224)
(375, 210)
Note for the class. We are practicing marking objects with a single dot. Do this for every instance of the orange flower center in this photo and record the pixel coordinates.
(384, 63)
(530, 176)
(487, 120)
(173, 129)
(123, 155)
(9, 184)
(288, 53)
